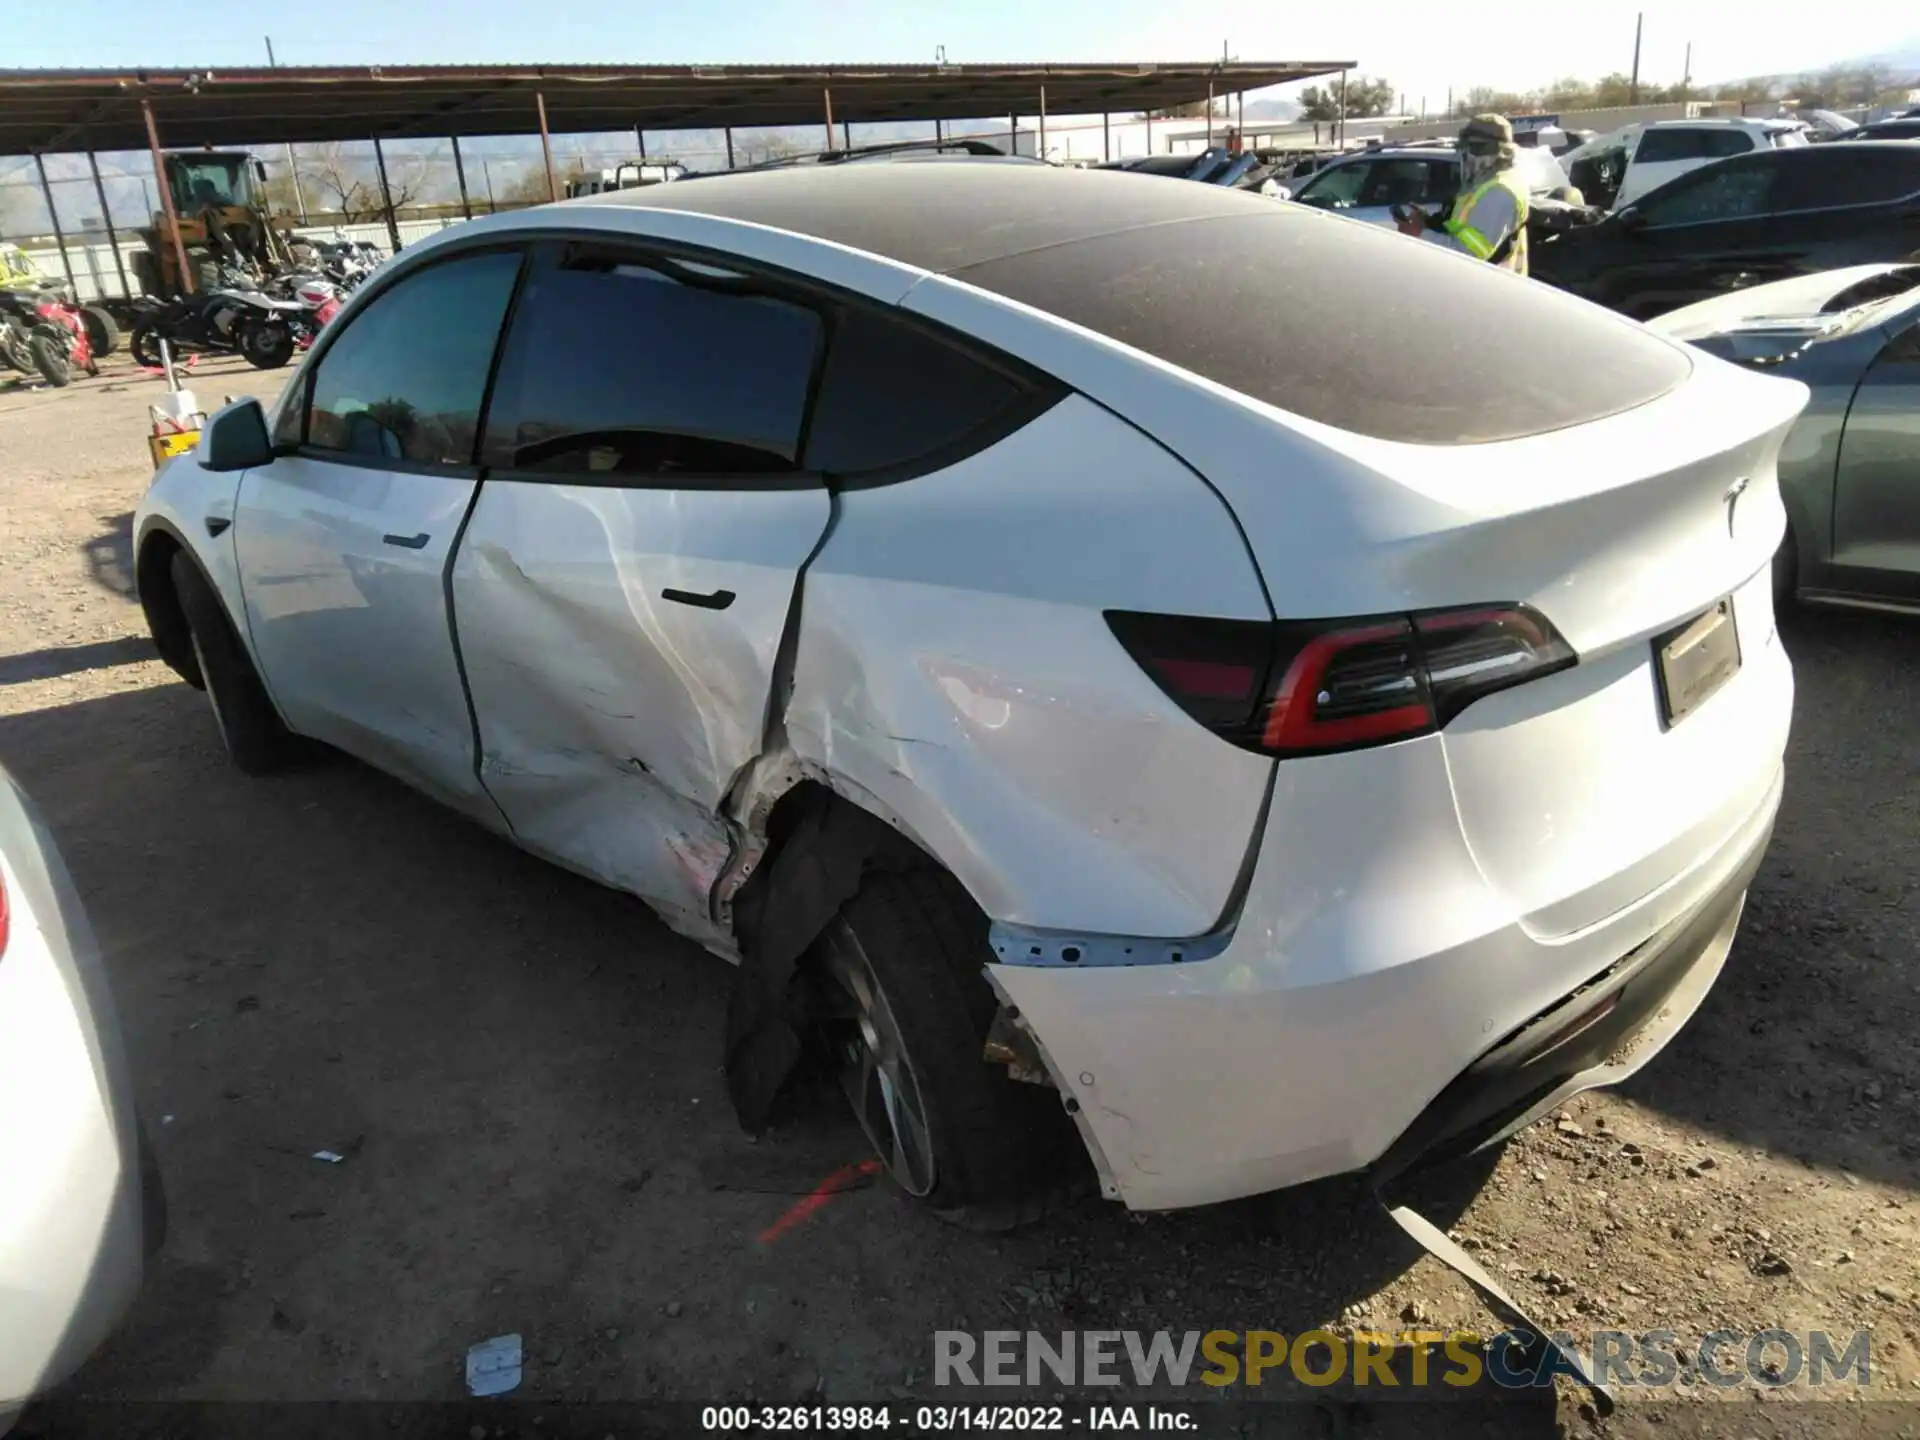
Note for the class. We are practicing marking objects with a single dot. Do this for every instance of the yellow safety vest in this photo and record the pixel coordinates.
(1460, 223)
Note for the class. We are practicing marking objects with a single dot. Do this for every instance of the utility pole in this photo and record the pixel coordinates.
(1633, 84)
(1343, 108)
(1686, 74)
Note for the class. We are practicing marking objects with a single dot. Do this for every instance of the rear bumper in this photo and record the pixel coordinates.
(1603, 1032)
(1347, 1037)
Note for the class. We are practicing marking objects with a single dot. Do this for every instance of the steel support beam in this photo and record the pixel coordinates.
(386, 195)
(59, 237)
(460, 174)
(106, 219)
(546, 146)
(187, 286)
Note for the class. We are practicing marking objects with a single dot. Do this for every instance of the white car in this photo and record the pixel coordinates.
(1636, 160)
(943, 588)
(80, 1202)
(1368, 185)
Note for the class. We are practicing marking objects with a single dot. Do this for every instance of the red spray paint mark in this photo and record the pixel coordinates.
(847, 1177)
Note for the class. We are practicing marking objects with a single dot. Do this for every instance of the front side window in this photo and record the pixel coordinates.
(1398, 182)
(623, 365)
(1337, 187)
(1732, 191)
(406, 378)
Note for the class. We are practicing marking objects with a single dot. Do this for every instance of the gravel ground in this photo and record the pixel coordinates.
(522, 1069)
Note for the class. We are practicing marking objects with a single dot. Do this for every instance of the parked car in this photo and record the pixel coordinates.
(1618, 168)
(1850, 472)
(80, 1207)
(1744, 222)
(1204, 165)
(1055, 632)
(1367, 186)
(1887, 130)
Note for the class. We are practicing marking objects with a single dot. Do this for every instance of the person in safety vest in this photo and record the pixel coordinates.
(1488, 218)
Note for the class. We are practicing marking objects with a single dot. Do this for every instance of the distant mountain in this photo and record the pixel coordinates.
(1902, 57)
(1278, 109)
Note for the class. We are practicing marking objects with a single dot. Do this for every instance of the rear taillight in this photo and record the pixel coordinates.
(1317, 687)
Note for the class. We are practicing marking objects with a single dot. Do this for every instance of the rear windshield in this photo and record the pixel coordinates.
(1348, 324)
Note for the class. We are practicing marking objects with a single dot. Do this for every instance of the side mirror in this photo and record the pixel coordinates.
(1283, 192)
(260, 171)
(1631, 219)
(235, 438)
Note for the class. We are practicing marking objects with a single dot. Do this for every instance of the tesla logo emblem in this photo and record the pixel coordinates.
(1732, 497)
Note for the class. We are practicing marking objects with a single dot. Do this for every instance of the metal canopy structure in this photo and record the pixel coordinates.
(70, 110)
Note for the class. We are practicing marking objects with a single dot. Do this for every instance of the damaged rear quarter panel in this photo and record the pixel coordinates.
(955, 673)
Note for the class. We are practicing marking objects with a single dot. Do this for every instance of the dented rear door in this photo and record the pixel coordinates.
(627, 574)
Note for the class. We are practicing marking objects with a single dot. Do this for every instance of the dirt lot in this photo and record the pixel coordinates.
(523, 1071)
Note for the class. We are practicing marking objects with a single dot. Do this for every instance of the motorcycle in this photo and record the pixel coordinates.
(319, 301)
(42, 330)
(235, 318)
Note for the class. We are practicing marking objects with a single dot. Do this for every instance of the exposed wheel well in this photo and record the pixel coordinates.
(820, 847)
(153, 581)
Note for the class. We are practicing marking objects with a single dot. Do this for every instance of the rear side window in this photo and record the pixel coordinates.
(1823, 176)
(1349, 325)
(893, 394)
(628, 366)
(1888, 130)
(404, 380)
(1695, 144)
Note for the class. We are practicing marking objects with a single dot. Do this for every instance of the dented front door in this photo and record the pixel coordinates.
(620, 649)
(623, 584)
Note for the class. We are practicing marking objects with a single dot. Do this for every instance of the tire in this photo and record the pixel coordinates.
(257, 740)
(990, 1149)
(266, 345)
(144, 346)
(50, 359)
(103, 334)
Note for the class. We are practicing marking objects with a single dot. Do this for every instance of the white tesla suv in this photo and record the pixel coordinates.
(1129, 652)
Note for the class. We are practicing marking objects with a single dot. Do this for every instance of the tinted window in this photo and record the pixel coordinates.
(404, 380)
(1827, 175)
(1888, 130)
(1349, 325)
(892, 393)
(1694, 144)
(623, 367)
(1733, 191)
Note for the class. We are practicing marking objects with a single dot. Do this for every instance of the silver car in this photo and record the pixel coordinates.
(1850, 471)
(1367, 186)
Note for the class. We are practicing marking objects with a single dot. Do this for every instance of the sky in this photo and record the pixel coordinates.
(1422, 46)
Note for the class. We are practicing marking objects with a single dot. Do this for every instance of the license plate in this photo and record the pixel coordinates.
(1695, 660)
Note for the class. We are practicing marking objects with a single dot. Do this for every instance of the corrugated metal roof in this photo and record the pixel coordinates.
(53, 110)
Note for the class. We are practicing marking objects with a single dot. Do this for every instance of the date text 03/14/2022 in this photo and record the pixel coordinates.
(940, 1419)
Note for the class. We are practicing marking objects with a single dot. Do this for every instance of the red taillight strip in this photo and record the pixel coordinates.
(1291, 722)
